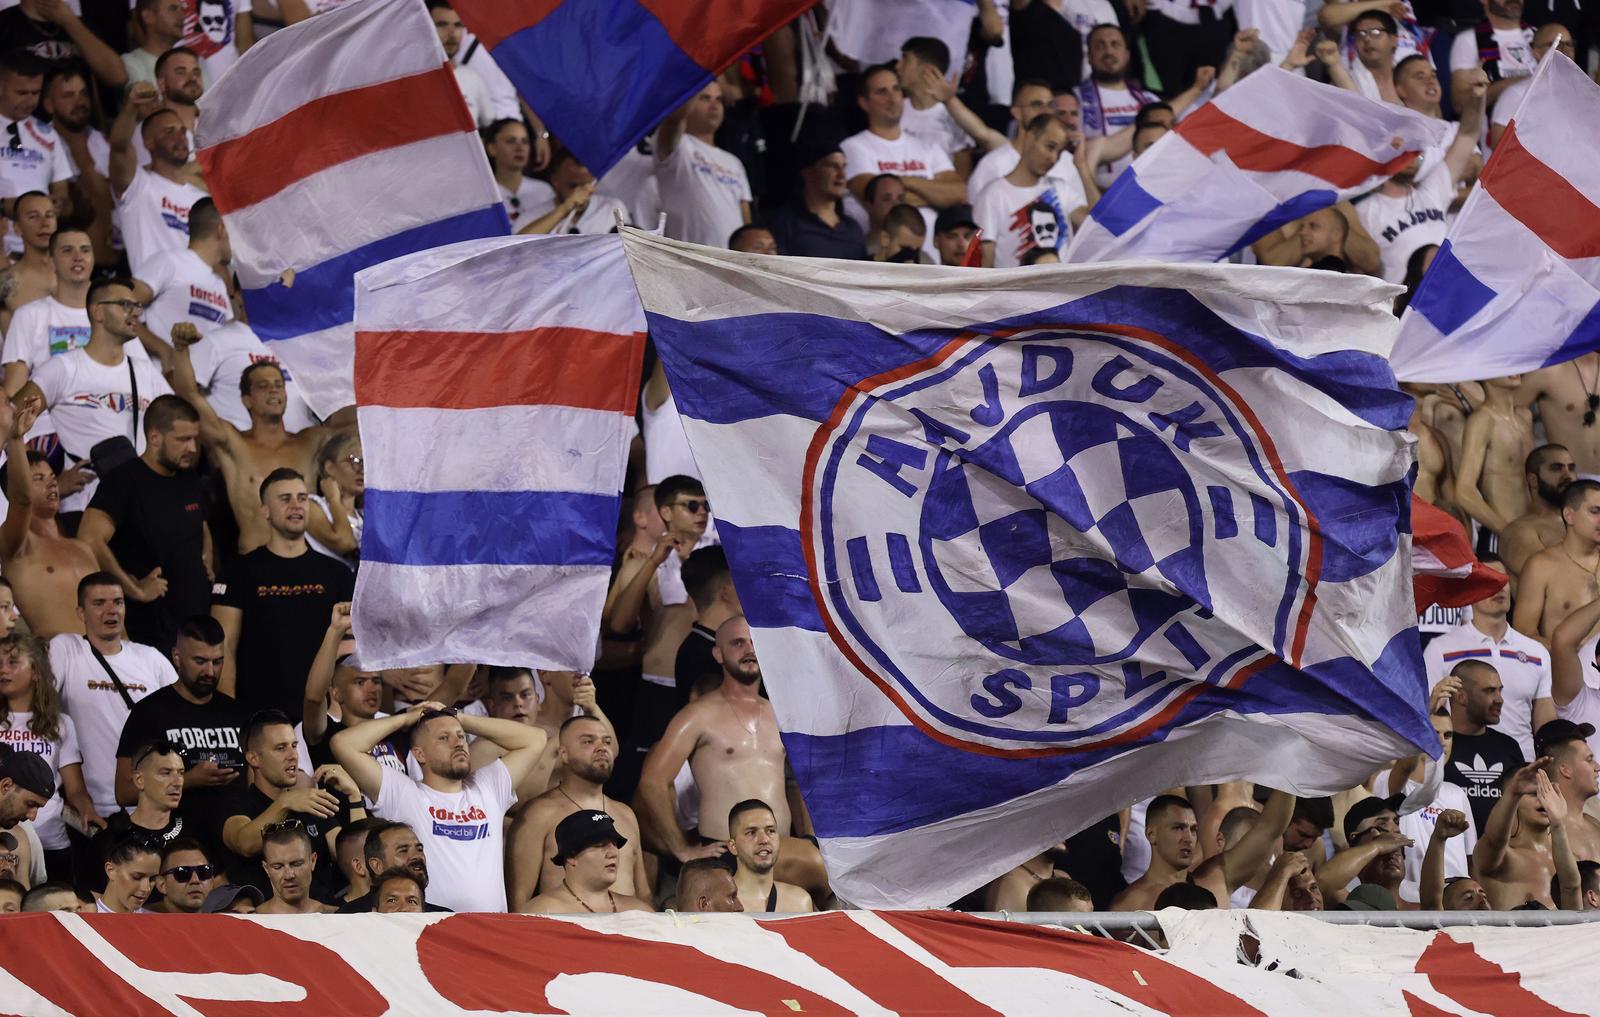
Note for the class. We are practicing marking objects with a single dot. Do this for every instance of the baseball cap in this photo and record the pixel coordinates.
(222, 898)
(1370, 897)
(29, 771)
(582, 830)
(1366, 808)
(1556, 732)
(814, 150)
(953, 218)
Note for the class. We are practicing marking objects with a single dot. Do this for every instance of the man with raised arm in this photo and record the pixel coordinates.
(1524, 843)
(43, 565)
(1173, 831)
(458, 814)
(1576, 700)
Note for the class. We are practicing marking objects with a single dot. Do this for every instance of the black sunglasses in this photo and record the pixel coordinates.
(159, 747)
(184, 873)
(696, 504)
(1589, 414)
(287, 824)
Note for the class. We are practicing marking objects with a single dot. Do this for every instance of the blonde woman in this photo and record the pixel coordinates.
(333, 527)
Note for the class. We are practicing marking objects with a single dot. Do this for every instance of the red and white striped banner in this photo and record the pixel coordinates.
(862, 962)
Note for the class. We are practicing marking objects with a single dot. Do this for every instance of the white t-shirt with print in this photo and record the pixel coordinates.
(1402, 224)
(906, 156)
(186, 289)
(1004, 159)
(1083, 15)
(1419, 827)
(701, 190)
(462, 831)
(1516, 51)
(936, 126)
(1019, 219)
(221, 358)
(209, 29)
(59, 751)
(97, 710)
(38, 162)
(531, 199)
(155, 217)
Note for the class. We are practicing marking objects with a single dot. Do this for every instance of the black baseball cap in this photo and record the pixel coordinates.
(583, 830)
(1365, 809)
(953, 218)
(29, 771)
(1557, 732)
(222, 898)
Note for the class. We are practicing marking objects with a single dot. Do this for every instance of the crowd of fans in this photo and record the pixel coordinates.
(184, 727)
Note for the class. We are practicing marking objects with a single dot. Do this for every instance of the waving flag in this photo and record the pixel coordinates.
(602, 73)
(871, 31)
(1269, 150)
(1516, 284)
(1021, 548)
(1444, 571)
(325, 159)
(496, 383)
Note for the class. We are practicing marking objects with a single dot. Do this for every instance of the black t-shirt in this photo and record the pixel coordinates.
(159, 523)
(120, 825)
(44, 39)
(286, 603)
(1477, 764)
(325, 881)
(695, 659)
(1094, 858)
(391, 752)
(209, 731)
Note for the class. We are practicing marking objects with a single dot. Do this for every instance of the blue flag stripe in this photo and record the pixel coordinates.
(489, 528)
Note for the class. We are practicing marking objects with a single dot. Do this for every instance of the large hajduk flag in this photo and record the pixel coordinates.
(1021, 548)
(496, 383)
(602, 73)
(333, 145)
(1273, 148)
(1516, 284)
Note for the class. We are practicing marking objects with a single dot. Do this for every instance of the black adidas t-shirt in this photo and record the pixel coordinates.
(1477, 765)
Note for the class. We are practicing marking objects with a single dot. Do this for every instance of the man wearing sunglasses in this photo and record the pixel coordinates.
(158, 777)
(187, 875)
(90, 391)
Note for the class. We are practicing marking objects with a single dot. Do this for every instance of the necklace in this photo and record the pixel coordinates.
(1592, 402)
(1594, 573)
(1035, 875)
(579, 804)
(609, 896)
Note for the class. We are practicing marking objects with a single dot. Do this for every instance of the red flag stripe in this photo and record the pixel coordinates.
(1210, 130)
(1541, 199)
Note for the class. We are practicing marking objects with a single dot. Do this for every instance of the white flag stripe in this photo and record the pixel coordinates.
(559, 448)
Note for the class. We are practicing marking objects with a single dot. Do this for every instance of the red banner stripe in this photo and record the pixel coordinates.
(492, 21)
(331, 130)
(1211, 130)
(555, 366)
(1541, 199)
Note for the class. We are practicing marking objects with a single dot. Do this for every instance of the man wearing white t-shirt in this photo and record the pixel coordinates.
(1030, 208)
(97, 702)
(52, 325)
(1408, 210)
(32, 157)
(153, 200)
(1028, 100)
(927, 114)
(1110, 98)
(704, 190)
(90, 391)
(1501, 45)
(459, 815)
(190, 283)
(925, 170)
(1576, 699)
(480, 104)
(578, 208)
(1505, 107)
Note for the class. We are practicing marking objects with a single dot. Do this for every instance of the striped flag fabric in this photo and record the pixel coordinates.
(496, 382)
(603, 73)
(333, 145)
(1020, 548)
(1273, 148)
(1516, 284)
(1444, 571)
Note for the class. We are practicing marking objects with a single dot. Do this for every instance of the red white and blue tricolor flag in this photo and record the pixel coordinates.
(602, 73)
(1273, 148)
(333, 145)
(1021, 548)
(496, 382)
(1516, 284)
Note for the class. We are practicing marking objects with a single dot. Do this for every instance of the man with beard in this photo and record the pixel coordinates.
(203, 723)
(1524, 844)
(754, 844)
(154, 200)
(1522, 663)
(1501, 46)
(289, 859)
(729, 738)
(587, 751)
(1110, 97)
(390, 847)
(1174, 836)
(1564, 576)
(588, 849)
(1376, 853)
(1479, 756)
(1549, 470)
(704, 189)
(146, 521)
(512, 696)
(273, 602)
(245, 457)
(457, 812)
(179, 81)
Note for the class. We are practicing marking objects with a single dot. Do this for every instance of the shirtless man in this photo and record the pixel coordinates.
(1517, 853)
(511, 696)
(1174, 837)
(44, 567)
(1550, 469)
(1576, 776)
(588, 750)
(588, 847)
(1494, 450)
(246, 457)
(730, 739)
(754, 845)
(33, 275)
(1010, 892)
(1435, 481)
(289, 858)
(1555, 581)
(1567, 399)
